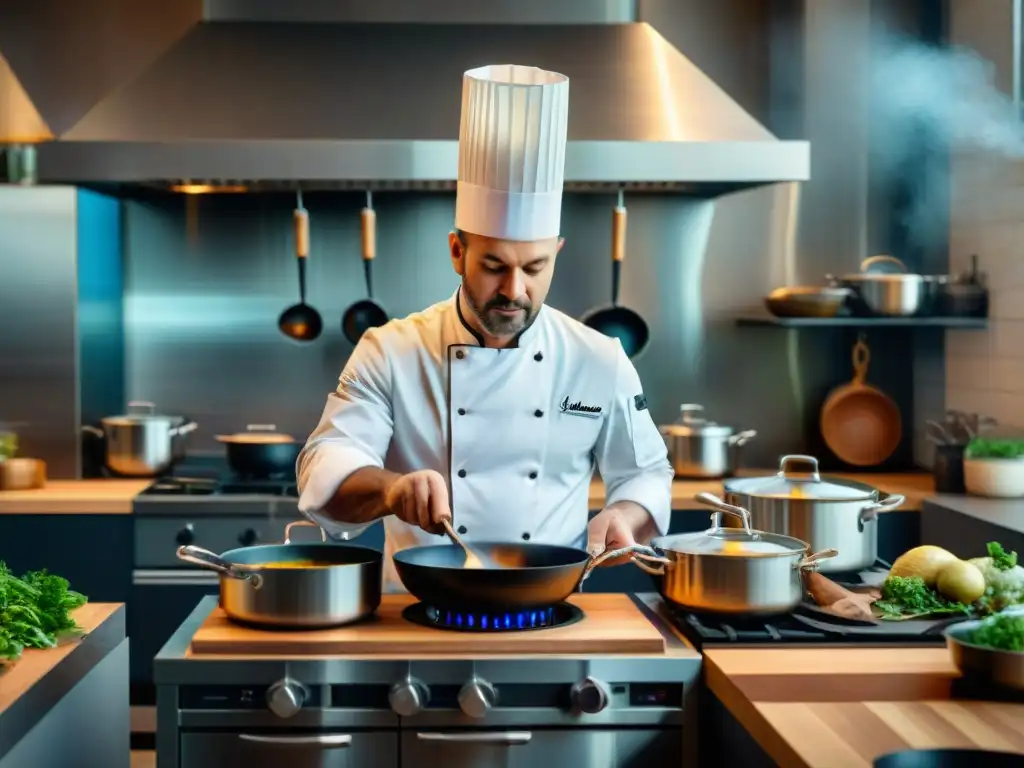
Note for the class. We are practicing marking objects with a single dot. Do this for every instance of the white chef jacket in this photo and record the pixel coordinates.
(514, 431)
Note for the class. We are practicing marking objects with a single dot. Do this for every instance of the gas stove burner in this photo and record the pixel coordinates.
(182, 486)
(516, 620)
(258, 487)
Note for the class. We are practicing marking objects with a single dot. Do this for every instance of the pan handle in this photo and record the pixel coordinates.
(368, 230)
(636, 550)
(297, 523)
(618, 246)
(207, 559)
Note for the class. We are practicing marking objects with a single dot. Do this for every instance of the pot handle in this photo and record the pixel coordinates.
(296, 523)
(810, 562)
(641, 562)
(888, 504)
(183, 429)
(636, 550)
(785, 461)
(261, 427)
(141, 406)
(720, 506)
(742, 438)
(207, 559)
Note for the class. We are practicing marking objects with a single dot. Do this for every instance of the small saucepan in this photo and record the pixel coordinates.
(732, 571)
(295, 585)
(524, 576)
(261, 452)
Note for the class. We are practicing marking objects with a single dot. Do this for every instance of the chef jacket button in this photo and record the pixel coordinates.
(538, 413)
(462, 411)
(462, 529)
(533, 475)
(462, 473)
(538, 357)
(460, 354)
(526, 537)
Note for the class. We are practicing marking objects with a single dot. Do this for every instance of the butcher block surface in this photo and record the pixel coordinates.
(612, 623)
(845, 707)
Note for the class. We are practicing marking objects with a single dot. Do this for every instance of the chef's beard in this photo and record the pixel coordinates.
(497, 324)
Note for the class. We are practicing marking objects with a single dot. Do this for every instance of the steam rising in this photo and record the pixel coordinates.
(927, 102)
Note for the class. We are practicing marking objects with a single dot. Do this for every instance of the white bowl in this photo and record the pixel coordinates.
(995, 478)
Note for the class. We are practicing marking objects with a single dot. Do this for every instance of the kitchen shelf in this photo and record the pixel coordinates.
(768, 321)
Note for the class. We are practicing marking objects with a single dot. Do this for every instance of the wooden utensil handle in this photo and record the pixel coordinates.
(301, 220)
(618, 233)
(369, 233)
(861, 359)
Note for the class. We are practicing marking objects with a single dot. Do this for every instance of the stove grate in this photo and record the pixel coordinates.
(492, 620)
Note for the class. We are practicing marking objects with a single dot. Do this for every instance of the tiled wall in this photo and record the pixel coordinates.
(985, 370)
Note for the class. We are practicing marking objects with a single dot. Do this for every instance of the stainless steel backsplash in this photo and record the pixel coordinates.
(206, 278)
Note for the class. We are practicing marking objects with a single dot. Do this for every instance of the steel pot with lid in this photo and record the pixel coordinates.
(261, 452)
(730, 571)
(823, 511)
(701, 448)
(142, 442)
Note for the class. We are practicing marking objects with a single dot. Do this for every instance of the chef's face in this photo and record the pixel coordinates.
(505, 282)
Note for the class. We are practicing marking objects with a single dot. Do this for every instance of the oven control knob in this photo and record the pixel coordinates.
(476, 697)
(408, 697)
(186, 535)
(590, 696)
(286, 697)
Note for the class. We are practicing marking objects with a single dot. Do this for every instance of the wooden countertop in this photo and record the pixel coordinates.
(114, 497)
(916, 486)
(34, 664)
(844, 707)
(66, 497)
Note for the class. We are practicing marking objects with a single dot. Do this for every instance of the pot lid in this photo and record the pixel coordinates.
(731, 542)
(140, 411)
(693, 424)
(257, 434)
(789, 483)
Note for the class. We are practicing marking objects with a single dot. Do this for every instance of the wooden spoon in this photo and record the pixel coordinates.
(472, 560)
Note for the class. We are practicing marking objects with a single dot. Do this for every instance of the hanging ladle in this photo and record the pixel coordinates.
(301, 321)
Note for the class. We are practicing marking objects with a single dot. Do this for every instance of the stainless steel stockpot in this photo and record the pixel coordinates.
(699, 448)
(823, 511)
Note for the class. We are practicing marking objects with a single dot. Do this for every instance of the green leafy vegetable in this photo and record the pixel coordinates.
(35, 611)
(1003, 631)
(1001, 559)
(904, 596)
(994, 448)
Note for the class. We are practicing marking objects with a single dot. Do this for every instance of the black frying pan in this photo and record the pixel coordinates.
(366, 313)
(529, 575)
(618, 322)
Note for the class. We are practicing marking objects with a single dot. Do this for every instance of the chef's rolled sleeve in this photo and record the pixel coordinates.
(354, 432)
(630, 451)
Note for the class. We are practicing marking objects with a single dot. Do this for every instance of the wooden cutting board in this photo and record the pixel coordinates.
(612, 624)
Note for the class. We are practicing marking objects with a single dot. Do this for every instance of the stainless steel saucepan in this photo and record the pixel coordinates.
(295, 585)
(699, 448)
(732, 571)
(142, 442)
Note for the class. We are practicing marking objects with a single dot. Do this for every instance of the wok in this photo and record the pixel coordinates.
(526, 575)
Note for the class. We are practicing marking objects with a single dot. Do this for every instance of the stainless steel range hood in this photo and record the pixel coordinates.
(355, 105)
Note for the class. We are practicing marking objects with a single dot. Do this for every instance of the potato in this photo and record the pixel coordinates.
(925, 562)
(961, 582)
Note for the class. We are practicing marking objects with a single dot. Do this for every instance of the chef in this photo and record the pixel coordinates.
(490, 408)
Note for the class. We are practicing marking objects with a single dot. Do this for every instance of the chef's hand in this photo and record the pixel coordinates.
(610, 529)
(420, 498)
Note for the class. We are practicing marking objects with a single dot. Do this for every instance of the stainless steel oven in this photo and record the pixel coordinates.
(566, 747)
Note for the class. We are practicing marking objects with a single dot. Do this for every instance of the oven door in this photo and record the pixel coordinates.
(576, 747)
(262, 749)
